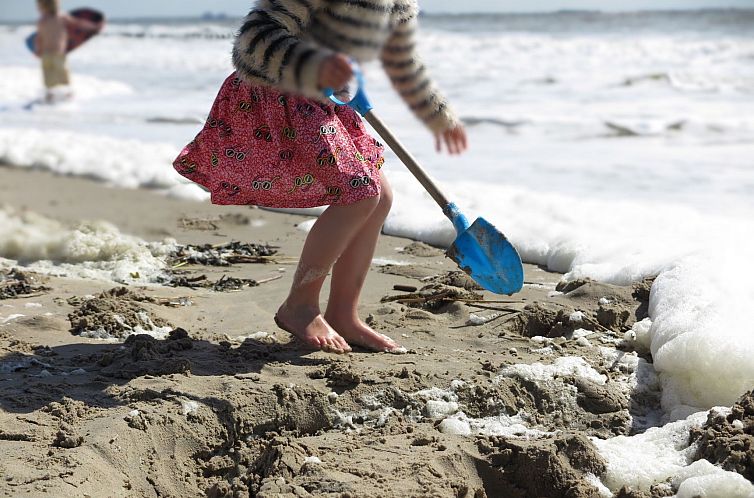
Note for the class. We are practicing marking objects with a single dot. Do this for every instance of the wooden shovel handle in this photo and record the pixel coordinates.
(409, 160)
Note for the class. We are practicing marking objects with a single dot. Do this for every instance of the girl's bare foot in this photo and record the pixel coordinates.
(307, 324)
(358, 333)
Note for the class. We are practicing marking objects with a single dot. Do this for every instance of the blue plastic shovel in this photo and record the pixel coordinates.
(480, 249)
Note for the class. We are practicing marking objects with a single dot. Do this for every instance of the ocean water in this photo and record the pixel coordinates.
(609, 146)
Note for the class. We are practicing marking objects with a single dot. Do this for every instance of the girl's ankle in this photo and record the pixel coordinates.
(341, 315)
(290, 305)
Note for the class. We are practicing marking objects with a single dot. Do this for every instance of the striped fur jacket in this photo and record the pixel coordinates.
(283, 42)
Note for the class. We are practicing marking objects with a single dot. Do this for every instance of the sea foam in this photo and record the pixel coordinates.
(700, 349)
(700, 344)
(599, 152)
(126, 163)
(664, 453)
(93, 250)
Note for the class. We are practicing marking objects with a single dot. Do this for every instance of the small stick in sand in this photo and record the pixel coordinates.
(493, 308)
(270, 279)
(490, 301)
(404, 288)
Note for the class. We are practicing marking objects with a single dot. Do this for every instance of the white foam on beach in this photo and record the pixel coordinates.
(93, 250)
(663, 453)
(701, 339)
(443, 406)
(145, 326)
(440, 406)
(189, 406)
(604, 491)
(597, 189)
(260, 336)
(389, 262)
(516, 426)
(476, 319)
(21, 85)
(115, 161)
(639, 382)
(563, 366)
(700, 347)
(10, 318)
(578, 176)
(639, 337)
(375, 417)
(702, 479)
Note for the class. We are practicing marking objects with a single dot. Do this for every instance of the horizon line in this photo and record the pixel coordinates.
(219, 16)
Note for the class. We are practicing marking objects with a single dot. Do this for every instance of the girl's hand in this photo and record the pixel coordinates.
(454, 139)
(335, 72)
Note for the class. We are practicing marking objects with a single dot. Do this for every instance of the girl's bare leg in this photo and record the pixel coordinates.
(331, 234)
(349, 274)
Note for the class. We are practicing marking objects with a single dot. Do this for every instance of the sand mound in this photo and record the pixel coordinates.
(116, 314)
(544, 320)
(728, 441)
(550, 467)
(456, 279)
(144, 355)
(409, 271)
(586, 305)
(421, 250)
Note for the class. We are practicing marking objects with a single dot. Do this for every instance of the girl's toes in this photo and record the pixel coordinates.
(334, 345)
(318, 341)
(387, 343)
(342, 344)
(326, 344)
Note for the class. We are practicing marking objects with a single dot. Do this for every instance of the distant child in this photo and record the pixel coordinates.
(273, 140)
(50, 45)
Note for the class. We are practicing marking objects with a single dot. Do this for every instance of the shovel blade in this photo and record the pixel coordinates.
(486, 256)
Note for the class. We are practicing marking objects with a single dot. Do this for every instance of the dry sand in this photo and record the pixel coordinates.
(226, 406)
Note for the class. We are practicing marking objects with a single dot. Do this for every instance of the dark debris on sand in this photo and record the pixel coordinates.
(15, 283)
(218, 255)
(434, 296)
(223, 254)
(224, 284)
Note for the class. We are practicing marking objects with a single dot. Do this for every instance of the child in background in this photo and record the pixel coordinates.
(273, 140)
(50, 45)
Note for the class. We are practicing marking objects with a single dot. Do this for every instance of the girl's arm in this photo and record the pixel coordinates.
(269, 50)
(410, 78)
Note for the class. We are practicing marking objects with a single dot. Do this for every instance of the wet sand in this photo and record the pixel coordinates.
(227, 405)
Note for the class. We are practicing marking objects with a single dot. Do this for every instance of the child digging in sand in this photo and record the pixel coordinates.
(273, 140)
(50, 45)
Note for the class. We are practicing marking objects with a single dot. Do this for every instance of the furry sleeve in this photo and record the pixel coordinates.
(410, 77)
(269, 49)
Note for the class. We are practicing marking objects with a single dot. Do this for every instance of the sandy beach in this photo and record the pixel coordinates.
(138, 352)
(226, 405)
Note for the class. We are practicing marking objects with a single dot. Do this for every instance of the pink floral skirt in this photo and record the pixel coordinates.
(267, 148)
